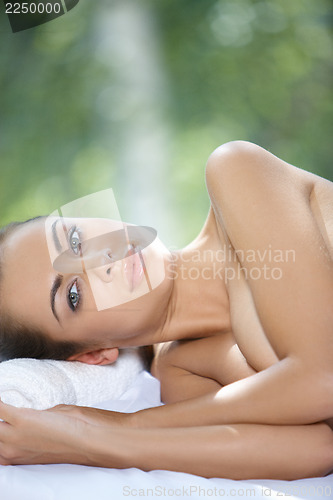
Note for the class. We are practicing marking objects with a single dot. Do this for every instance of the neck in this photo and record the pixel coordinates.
(199, 304)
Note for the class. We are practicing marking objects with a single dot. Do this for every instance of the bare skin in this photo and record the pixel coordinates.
(246, 360)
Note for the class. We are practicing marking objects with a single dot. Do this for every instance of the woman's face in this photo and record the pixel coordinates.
(87, 280)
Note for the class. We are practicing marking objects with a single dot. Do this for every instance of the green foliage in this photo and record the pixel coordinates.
(224, 70)
(262, 67)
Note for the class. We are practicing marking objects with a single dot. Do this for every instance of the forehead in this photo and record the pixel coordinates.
(26, 268)
(24, 241)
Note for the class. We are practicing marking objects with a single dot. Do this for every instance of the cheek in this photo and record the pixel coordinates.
(123, 325)
(110, 327)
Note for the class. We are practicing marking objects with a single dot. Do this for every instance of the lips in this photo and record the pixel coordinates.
(133, 268)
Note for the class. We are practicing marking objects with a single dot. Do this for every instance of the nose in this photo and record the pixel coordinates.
(100, 264)
(103, 273)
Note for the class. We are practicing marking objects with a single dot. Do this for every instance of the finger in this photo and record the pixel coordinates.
(8, 413)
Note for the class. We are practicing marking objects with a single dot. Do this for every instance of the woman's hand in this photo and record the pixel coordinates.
(38, 437)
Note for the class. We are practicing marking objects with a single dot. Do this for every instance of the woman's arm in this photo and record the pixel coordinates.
(239, 451)
(289, 392)
(242, 451)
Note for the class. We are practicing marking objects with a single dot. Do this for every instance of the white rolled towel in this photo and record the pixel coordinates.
(41, 384)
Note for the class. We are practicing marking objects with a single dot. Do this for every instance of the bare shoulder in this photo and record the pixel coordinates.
(248, 156)
(261, 202)
(249, 163)
(256, 171)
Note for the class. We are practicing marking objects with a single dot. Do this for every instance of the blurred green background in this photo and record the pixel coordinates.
(135, 95)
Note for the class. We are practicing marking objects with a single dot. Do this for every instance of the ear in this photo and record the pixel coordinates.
(98, 357)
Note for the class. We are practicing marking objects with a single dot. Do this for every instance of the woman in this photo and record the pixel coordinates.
(244, 338)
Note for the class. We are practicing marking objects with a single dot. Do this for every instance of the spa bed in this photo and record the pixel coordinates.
(71, 482)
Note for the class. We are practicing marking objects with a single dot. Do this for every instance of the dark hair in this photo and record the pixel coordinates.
(22, 341)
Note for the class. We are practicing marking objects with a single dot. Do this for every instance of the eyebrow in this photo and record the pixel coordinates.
(55, 287)
(56, 240)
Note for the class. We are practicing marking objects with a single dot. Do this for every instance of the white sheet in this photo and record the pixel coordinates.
(75, 482)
